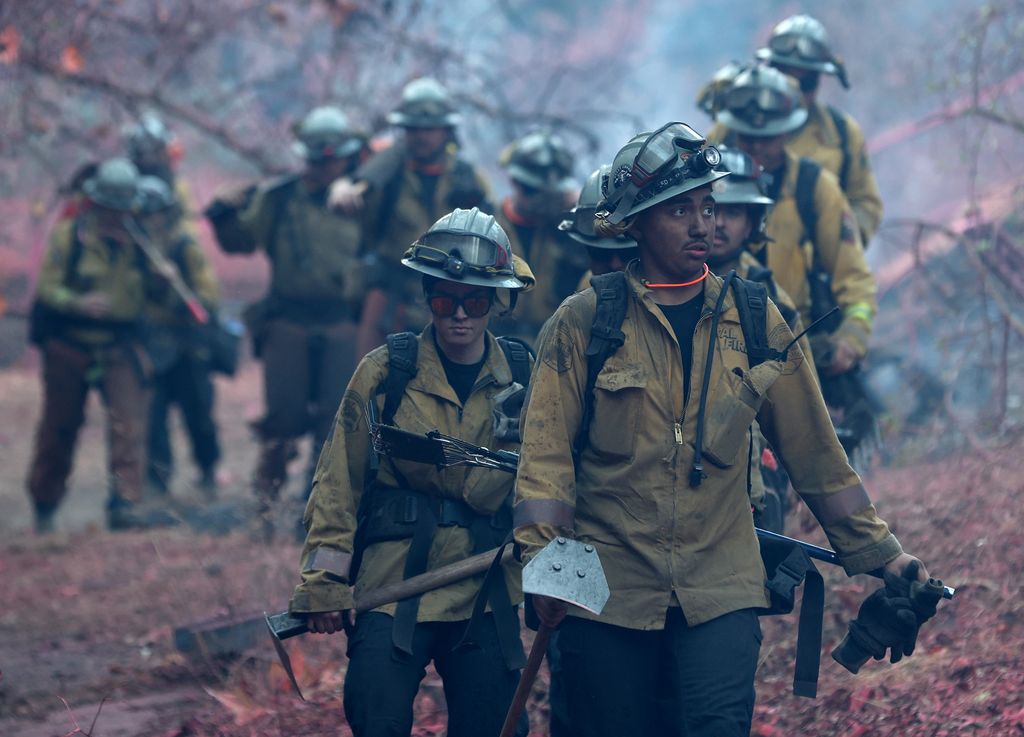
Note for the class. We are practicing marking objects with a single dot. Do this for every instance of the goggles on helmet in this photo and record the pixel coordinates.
(669, 156)
(475, 304)
(763, 100)
(798, 44)
(457, 253)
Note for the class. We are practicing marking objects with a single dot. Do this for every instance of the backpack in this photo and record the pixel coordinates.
(787, 565)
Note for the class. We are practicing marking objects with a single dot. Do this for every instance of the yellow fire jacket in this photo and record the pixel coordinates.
(429, 403)
(661, 542)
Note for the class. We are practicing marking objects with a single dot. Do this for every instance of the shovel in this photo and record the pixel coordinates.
(568, 570)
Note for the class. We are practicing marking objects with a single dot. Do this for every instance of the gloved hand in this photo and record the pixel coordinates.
(890, 619)
(507, 405)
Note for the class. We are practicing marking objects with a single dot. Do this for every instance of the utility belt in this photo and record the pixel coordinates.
(46, 322)
(387, 513)
(393, 514)
(307, 312)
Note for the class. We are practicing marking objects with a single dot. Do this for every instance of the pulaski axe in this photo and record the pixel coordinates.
(284, 625)
(568, 570)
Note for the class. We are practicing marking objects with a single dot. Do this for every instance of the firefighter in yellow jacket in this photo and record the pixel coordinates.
(404, 518)
(540, 166)
(799, 47)
(91, 297)
(651, 465)
(814, 249)
(398, 193)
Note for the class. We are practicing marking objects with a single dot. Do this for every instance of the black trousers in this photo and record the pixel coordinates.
(187, 384)
(693, 681)
(382, 681)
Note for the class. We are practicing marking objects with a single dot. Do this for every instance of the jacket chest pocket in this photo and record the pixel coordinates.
(730, 413)
(618, 401)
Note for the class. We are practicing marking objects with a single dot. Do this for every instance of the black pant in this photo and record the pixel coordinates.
(187, 383)
(693, 681)
(382, 682)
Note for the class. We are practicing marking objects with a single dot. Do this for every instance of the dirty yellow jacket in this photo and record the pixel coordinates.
(836, 246)
(558, 262)
(429, 403)
(660, 541)
(314, 251)
(410, 218)
(819, 139)
(116, 268)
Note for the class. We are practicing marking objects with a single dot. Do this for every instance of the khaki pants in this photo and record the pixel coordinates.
(66, 384)
(305, 371)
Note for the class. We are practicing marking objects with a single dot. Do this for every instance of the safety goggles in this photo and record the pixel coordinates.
(795, 44)
(475, 304)
(457, 253)
(761, 99)
(662, 150)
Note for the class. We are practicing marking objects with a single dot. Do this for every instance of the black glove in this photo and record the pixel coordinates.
(889, 619)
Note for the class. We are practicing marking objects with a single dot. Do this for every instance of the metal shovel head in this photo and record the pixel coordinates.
(568, 570)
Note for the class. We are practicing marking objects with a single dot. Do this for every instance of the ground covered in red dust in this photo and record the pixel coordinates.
(87, 617)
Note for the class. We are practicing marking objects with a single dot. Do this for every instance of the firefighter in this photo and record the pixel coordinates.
(398, 193)
(304, 330)
(646, 461)
(177, 346)
(90, 302)
(458, 378)
(540, 167)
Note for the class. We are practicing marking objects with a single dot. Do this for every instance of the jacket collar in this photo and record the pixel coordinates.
(712, 288)
(430, 377)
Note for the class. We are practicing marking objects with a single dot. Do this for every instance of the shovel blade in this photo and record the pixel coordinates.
(282, 655)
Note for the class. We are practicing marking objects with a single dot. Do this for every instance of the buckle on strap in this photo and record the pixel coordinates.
(786, 578)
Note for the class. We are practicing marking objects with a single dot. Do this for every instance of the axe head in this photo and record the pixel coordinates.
(568, 570)
(282, 655)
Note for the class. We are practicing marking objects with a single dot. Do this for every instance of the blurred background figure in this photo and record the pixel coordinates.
(799, 47)
(399, 193)
(540, 168)
(90, 302)
(304, 330)
(179, 348)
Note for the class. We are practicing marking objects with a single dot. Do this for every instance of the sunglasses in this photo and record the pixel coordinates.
(446, 305)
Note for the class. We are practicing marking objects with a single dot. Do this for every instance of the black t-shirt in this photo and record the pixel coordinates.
(428, 189)
(461, 376)
(683, 319)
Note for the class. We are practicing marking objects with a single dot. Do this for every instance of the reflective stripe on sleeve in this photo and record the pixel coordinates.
(860, 311)
(831, 508)
(539, 511)
(330, 560)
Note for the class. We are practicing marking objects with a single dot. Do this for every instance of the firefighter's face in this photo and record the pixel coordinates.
(768, 151)
(427, 144)
(732, 228)
(675, 236)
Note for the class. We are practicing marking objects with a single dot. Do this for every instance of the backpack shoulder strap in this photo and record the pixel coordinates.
(764, 275)
(806, 182)
(518, 354)
(606, 337)
(74, 256)
(843, 131)
(752, 304)
(403, 349)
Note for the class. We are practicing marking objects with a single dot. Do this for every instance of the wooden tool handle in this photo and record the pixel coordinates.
(526, 679)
